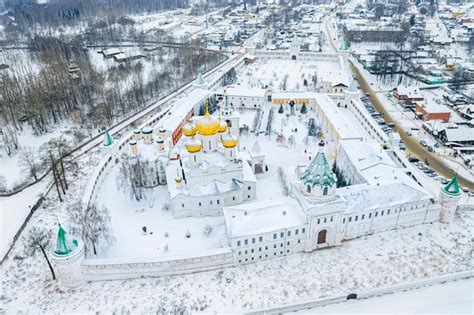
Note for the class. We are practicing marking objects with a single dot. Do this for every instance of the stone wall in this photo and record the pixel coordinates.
(99, 269)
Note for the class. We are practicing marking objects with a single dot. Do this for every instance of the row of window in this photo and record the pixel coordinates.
(325, 220)
(253, 240)
(262, 256)
(382, 212)
(251, 251)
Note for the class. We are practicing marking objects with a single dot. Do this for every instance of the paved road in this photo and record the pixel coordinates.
(412, 144)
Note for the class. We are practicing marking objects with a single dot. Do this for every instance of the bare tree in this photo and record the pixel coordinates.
(39, 238)
(28, 162)
(93, 224)
(131, 175)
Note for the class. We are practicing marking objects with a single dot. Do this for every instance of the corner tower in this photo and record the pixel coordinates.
(448, 198)
(67, 256)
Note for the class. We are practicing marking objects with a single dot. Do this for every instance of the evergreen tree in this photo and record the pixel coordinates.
(304, 109)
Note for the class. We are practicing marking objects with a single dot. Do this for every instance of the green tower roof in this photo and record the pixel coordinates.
(318, 173)
(64, 244)
(108, 139)
(453, 188)
(200, 80)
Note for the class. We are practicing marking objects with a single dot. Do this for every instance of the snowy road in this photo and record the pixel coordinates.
(449, 298)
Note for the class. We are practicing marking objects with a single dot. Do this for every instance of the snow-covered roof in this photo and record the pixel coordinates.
(371, 161)
(460, 134)
(263, 217)
(182, 107)
(374, 196)
(342, 126)
(214, 188)
(242, 91)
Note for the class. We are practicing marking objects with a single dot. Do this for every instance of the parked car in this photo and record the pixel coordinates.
(409, 133)
(423, 143)
(413, 160)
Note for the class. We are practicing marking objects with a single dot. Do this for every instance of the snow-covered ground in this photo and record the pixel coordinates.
(274, 71)
(10, 171)
(449, 298)
(14, 210)
(129, 216)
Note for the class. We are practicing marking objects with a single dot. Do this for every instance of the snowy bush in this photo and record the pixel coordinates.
(207, 230)
(188, 234)
(166, 234)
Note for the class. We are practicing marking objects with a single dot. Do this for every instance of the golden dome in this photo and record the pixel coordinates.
(207, 125)
(229, 140)
(193, 145)
(189, 129)
(222, 126)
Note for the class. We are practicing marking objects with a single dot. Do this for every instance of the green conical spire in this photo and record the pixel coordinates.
(453, 188)
(108, 139)
(344, 46)
(318, 173)
(63, 244)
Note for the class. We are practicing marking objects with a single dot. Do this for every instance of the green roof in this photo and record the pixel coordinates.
(453, 188)
(318, 173)
(108, 139)
(64, 244)
(200, 79)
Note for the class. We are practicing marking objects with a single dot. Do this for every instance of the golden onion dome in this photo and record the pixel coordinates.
(189, 129)
(207, 125)
(193, 145)
(222, 126)
(229, 140)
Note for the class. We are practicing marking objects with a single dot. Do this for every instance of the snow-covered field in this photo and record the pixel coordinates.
(275, 72)
(448, 298)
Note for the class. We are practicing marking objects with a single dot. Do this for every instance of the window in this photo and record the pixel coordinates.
(253, 240)
(249, 188)
(356, 218)
(266, 247)
(388, 211)
(217, 201)
(199, 204)
(289, 233)
(287, 243)
(274, 236)
(376, 213)
(282, 234)
(240, 253)
(248, 196)
(363, 216)
(240, 260)
(381, 213)
(370, 215)
(259, 249)
(332, 218)
(325, 220)
(319, 221)
(182, 205)
(299, 241)
(287, 250)
(296, 232)
(233, 198)
(246, 242)
(246, 252)
(275, 246)
(260, 239)
(252, 251)
(344, 220)
(350, 219)
(302, 230)
(238, 243)
(281, 245)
